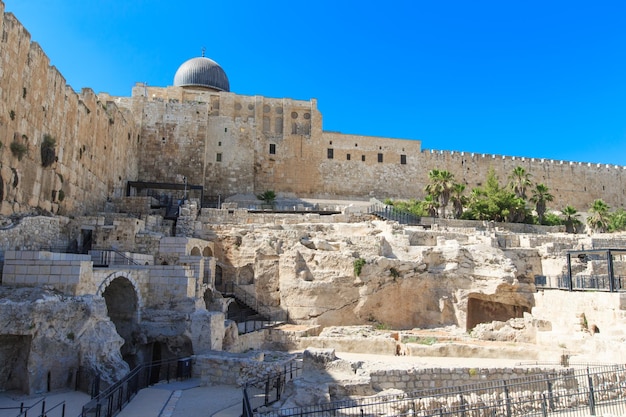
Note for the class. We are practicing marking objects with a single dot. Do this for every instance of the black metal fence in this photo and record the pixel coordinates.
(40, 408)
(110, 401)
(569, 392)
(267, 390)
(391, 213)
(581, 282)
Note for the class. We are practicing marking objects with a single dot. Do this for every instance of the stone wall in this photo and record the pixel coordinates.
(416, 379)
(237, 368)
(95, 142)
(61, 271)
(233, 144)
(227, 143)
(32, 233)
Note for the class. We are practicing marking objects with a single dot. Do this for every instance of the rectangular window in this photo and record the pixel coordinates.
(348, 157)
(225, 129)
(219, 143)
(380, 157)
(330, 153)
(363, 158)
(403, 159)
(218, 157)
(272, 149)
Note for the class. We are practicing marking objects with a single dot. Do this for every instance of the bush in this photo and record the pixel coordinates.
(18, 150)
(48, 151)
(358, 266)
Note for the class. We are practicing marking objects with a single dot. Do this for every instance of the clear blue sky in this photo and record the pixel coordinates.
(543, 79)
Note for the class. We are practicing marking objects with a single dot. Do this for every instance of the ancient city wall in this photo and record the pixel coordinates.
(95, 149)
(227, 143)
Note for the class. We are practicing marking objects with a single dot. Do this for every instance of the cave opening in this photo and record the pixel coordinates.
(122, 305)
(486, 311)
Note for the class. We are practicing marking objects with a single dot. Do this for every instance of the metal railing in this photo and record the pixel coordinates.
(266, 390)
(107, 258)
(570, 392)
(581, 282)
(260, 316)
(26, 410)
(391, 213)
(113, 399)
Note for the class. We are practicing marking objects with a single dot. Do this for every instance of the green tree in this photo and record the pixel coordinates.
(268, 196)
(493, 202)
(617, 220)
(430, 205)
(519, 181)
(598, 220)
(440, 187)
(571, 220)
(541, 196)
(459, 201)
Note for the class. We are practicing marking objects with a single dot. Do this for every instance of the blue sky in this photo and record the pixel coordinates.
(544, 79)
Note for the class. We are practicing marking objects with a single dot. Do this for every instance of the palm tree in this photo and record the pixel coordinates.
(598, 221)
(540, 197)
(571, 220)
(268, 196)
(458, 199)
(519, 180)
(430, 205)
(440, 187)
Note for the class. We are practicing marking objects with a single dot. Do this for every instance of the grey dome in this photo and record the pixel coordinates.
(201, 72)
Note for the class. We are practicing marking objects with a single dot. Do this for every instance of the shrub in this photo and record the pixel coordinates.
(18, 150)
(48, 151)
(358, 266)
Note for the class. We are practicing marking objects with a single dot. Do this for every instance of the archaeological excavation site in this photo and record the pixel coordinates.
(189, 233)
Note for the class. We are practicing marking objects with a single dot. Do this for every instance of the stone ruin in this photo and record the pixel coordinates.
(140, 288)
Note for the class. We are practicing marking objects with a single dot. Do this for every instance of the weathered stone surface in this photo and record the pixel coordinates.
(60, 334)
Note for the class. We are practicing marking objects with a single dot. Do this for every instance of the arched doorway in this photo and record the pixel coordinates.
(123, 307)
(195, 251)
(207, 252)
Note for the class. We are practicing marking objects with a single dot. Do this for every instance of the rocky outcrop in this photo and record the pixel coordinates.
(309, 271)
(52, 337)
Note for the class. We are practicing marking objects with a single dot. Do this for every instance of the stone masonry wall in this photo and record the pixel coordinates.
(227, 143)
(96, 146)
(415, 379)
(61, 271)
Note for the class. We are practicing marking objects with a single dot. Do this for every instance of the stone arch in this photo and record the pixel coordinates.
(122, 274)
(195, 251)
(124, 302)
(206, 252)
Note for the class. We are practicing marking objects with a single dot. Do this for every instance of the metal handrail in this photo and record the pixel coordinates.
(109, 402)
(388, 212)
(268, 313)
(104, 258)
